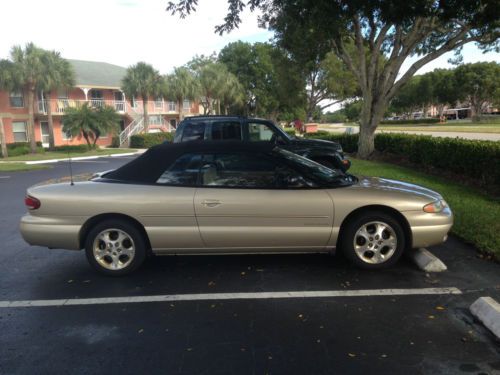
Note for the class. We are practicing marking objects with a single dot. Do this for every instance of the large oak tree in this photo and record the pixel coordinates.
(382, 33)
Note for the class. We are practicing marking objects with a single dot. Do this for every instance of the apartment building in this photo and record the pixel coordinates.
(98, 84)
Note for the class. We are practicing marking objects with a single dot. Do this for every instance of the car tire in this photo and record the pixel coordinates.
(115, 247)
(373, 240)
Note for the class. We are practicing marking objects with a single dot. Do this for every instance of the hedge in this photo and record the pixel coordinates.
(150, 139)
(474, 159)
(410, 121)
(289, 131)
(22, 148)
(72, 148)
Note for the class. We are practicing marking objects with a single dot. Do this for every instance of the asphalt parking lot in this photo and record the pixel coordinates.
(206, 322)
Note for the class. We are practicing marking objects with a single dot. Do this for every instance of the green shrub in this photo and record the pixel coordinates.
(410, 121)
(469, 158)
(14, 145)
(150, 139)
(289, 131)
(71, 148)
(22, 148)
(115, 142)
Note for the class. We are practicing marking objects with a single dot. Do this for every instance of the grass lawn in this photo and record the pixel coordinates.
(16, 167)
(476, 215)
(62, 155)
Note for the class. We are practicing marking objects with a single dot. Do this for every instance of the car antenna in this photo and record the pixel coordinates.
(70, 167)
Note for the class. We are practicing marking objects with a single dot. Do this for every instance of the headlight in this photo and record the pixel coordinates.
(435, 207)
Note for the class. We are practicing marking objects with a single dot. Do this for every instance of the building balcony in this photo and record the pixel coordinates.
(59, 106)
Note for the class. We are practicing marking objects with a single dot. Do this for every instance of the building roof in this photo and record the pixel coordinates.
(97, 74)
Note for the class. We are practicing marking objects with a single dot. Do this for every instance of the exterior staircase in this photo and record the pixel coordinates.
(135, 127)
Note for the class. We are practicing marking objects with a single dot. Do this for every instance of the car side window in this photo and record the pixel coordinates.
(260, 132)
(183, 172)
(193, 132)
(242, 170)
(226, 130)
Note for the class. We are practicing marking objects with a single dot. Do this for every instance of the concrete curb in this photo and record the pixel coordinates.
(427, 261)
(80, 158)
(487, 311)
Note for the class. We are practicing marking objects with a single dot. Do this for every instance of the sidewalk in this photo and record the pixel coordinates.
(77, 158)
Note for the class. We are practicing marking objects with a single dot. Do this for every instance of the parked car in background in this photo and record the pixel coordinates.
(232, 197)
(327, 153)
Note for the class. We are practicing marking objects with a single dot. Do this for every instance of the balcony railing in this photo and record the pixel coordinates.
(58, 106)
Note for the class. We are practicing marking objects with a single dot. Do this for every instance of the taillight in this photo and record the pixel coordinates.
(31, 202)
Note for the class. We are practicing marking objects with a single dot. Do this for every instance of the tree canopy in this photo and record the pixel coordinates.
(381, 33)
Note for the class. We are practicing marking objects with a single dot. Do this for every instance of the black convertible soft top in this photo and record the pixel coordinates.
(149, 166)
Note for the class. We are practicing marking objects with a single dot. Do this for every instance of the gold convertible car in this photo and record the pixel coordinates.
(230, 197)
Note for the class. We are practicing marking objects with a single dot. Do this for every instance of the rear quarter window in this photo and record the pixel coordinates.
(193, 132)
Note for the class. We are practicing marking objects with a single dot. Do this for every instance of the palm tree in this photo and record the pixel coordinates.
(142, 80)
(107, 122)
(80, 120)
(181, 85)
(29, 72)
(59, 75)
(90, 122)
(6, 83)
(232, 93)
(211, 77)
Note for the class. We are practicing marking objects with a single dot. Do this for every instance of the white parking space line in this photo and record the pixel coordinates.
(4, 176)
(230, 296)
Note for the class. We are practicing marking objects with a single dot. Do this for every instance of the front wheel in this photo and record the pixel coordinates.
(373, 240)
(115, 247)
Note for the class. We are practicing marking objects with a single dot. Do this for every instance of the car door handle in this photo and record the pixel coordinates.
(211, 202)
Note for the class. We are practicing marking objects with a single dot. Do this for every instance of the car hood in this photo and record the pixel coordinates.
(400, 187)
(319, 144)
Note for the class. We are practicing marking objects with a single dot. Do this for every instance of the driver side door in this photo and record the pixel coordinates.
(246, 203)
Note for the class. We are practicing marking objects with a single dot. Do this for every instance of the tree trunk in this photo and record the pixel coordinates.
(3, 141)
(87, 139)
(218, 106)
(31, 120)
(371, 114)
(180, 107)
(145, 113)
(50, 120)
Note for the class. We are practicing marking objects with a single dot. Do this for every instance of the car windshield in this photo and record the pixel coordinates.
(322, 173)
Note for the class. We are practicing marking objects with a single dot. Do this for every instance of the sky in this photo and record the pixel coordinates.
(123, 32)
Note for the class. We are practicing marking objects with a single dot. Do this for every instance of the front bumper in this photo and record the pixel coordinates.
(59, 233)
(429, 229)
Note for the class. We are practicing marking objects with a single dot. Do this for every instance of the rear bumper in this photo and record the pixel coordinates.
(50, 232)
(429, 229)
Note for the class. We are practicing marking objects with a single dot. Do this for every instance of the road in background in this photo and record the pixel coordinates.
(464, 135)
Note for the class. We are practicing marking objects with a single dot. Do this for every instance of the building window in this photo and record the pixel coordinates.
(171, 106)
(159, 102)
(19, 130)
(16, 99)
(66, 136)
(186, 104)
(155, 120)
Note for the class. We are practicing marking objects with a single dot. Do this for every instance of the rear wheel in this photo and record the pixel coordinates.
(115, 247)
(373, 240)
